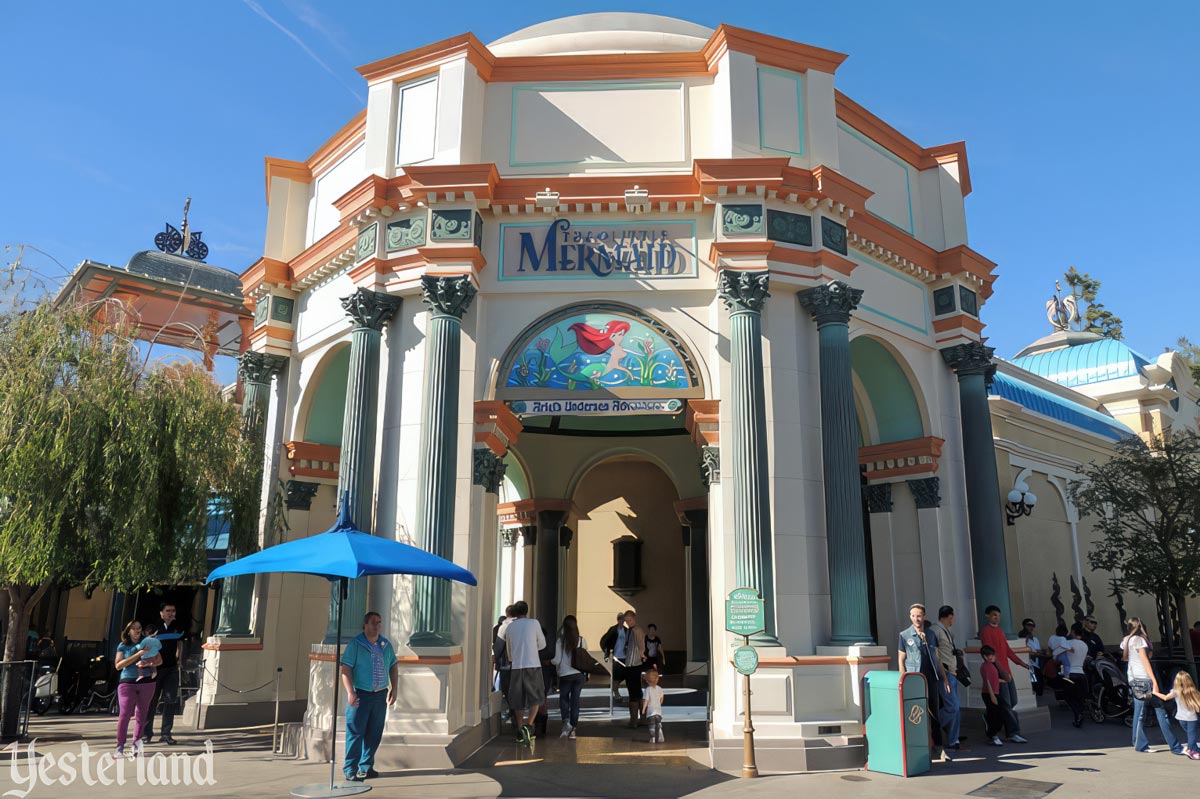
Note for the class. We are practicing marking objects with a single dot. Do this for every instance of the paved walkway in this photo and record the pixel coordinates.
(1094, 761)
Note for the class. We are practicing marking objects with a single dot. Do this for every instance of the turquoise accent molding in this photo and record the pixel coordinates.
(893, 273)
(889, 392)
(590, 86)
(799, 151)
(896, 159)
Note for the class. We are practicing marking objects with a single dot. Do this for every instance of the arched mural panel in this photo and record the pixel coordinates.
(605, 349)
(324, 405)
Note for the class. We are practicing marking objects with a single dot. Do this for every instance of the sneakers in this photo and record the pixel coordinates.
(1068, 680)
(662, 739)
(1194, 755)
(566, 731)
(138, 750)
(571, 737)
(1018, 739)
(996, 741)
(525, 736)
(119, 754)
(360, 776)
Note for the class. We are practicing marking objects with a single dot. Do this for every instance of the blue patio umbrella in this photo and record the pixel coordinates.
(341, 554)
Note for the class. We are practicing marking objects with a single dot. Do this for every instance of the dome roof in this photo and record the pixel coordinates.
(1085, 364)
(609, 32)
(185, 271)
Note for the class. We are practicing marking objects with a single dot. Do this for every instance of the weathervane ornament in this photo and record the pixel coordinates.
(187, 243)
(1062, 311)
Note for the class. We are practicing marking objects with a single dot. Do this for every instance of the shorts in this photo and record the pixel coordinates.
(526, 689)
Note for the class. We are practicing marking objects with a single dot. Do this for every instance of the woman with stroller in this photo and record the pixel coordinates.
(1143, 685)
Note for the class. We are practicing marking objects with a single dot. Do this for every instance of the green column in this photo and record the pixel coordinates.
(831, 306)
(695, 538)
(370, 311)
(237, 593)
(546, 564)
(973, 364)
(448, 299)
(744, 294)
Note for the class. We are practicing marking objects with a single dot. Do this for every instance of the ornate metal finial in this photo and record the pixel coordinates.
(186, 243)
(1062, 311)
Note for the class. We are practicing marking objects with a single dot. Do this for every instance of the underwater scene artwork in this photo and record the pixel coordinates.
(601, 350)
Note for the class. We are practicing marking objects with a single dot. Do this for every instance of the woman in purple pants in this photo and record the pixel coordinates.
(136, 685)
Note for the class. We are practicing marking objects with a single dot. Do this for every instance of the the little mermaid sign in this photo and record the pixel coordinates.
(596, 350)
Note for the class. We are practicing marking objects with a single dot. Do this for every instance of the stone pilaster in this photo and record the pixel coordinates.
(371, 311)
(696, 532)
(448, 299)
(256, 369)
(831, 306)
(973, 365)
(546, 566)
(744, 294)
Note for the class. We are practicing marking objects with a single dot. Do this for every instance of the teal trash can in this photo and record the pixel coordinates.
(896, 722)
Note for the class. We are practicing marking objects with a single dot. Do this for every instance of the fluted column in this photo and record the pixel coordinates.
(831, 306)
(695, 532)
(744, 294)
(546, 564)
(370, 311)
(972, 363)
(448, 299)
(256, 370)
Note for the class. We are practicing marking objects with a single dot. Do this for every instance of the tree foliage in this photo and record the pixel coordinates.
(1096, 318)
(107, 468)
(1191, 354)
(1146, 502)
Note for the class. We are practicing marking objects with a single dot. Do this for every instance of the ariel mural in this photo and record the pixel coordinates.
(599, 349)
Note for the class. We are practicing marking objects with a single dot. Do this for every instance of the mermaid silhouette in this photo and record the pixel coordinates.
(605, 339)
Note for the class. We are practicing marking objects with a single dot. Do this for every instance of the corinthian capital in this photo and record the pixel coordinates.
(971, 358)
(742, 291)
(831, 303)
(370, 309)
(447, 296)
(259, 367)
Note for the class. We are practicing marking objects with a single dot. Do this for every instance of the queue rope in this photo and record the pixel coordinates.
(235, 690)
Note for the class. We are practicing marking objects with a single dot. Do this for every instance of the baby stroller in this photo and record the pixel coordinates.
(45, 687)
(1108, 692)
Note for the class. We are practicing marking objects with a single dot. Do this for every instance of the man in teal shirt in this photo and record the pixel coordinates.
(369, 675)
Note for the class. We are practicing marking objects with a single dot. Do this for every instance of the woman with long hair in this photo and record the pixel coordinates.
(570, 679)
(1144, 685)
(136, 686)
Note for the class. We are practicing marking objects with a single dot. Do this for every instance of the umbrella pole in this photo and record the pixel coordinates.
(337, 680)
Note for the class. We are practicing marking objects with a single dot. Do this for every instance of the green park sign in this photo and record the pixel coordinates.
(744, 612)
(745, 660)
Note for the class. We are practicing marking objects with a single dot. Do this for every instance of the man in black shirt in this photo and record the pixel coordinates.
(1094, 644)
(166, 686)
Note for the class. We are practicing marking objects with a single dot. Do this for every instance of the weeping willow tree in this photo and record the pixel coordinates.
(107, 467)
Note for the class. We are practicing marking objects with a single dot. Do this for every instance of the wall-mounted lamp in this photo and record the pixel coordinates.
(1020, 503)
(546, 200)
(637, 200)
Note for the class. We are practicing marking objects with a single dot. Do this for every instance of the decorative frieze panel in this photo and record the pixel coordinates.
(789, 228)
(833, 235)
(405, 234)
(742, 220)
(454, 225)
(367, 237)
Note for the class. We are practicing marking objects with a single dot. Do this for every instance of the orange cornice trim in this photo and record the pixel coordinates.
(440, 254)
(478, 179)
(812, 259)
(766, 49)
(221, 646)
(265, 270)
(289, 170)
(422, 59)
(497, 412)
(957, 321)
(841, 189)
(888, 236)
(351, 134)
(954, 153)
(911, 448)
(739, 249)
(370, 192)
(769, 50)
(313, 452)
(881, 132)
(712, 174)
(328, 246)
(962, 258)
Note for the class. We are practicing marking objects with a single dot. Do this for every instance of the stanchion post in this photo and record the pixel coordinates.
(275, 729)
(749, 766)
(200, 694)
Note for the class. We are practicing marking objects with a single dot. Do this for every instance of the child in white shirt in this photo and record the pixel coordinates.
(1060, 650)
(652, 699)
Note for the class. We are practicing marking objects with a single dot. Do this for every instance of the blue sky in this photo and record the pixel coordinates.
(1080, 121)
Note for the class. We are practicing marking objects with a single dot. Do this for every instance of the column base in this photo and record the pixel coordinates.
(430, 640)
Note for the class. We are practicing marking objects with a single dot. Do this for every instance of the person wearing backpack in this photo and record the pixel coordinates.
(570, 679)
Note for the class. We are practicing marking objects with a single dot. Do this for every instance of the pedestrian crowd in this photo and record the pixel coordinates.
(1074, 662)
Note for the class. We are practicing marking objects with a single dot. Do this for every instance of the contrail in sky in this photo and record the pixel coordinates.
(257, 9)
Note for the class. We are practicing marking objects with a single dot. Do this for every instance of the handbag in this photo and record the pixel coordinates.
(962, 673)
(582, 660)
(1141, 689)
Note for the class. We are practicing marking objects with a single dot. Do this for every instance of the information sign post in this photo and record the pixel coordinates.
(744, 616)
